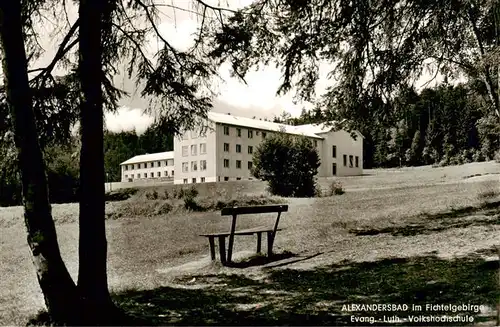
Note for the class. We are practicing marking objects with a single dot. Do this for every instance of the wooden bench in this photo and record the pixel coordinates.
(234, 212)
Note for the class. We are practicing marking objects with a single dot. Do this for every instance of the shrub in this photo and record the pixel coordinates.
(163, 208)
(496, 156)
(191, 204)
(336, 188)
(288, 163)
(152, 196)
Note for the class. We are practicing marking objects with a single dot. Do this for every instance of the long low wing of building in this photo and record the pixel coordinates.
(149, 166)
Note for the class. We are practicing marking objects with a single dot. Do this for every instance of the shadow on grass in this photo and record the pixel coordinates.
(261, 260)
(433, 223)
(316, 297)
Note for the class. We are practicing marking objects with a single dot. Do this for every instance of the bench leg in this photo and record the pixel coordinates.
(222, 249)
(212, 247)
(259, 242)
(270, 241)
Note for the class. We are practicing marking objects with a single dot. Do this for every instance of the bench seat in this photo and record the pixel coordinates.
(234, 212)
(249, 231)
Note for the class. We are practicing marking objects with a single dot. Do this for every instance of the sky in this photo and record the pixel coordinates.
(257, 98)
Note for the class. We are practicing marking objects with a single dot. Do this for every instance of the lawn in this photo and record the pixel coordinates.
(413, 235)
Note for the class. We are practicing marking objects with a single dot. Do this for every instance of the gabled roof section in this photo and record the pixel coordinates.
(259, 124)
(150, 157)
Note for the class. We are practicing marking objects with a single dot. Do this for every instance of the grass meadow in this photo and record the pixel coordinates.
(410, 236)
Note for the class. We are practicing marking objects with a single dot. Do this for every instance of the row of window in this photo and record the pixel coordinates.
(151, 175)
(193, 180)
(194, 166)
(238, 164)
(194, 149)
(351, 161)
(202, 179)
(169, 162)
(238, 148)
(194, 135)
(249, 132)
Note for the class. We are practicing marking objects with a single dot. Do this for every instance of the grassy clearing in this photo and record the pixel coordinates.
(315, 297)
(328, 253)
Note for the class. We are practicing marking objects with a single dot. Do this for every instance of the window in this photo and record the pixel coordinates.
(226, 130)
(159, 174)
(257, 133)
(334, 169)
(226, 163)
(238, 178)
(158, 164)
(202, 179)
(250, 134)
(250, 149)
(165, 173)
(334, 151)
(185, 180)
(184, 150)
(126, 176)
(203, 148)
(194, 180)
(132, 176)
(126, 167)
(238, 164)
(250, 165)
(264, 134)
(226, 147)
(350, 161)
(226, 179)
(345, 160)
(315, 143)
(152, 175)
(203, 165)
(145, 175)
(194, 134)
(194, 150)
(238, 132)
(194, 165)
(357, 161)
(151, 164)
(185, 167)
(172, 173)
(238, 148)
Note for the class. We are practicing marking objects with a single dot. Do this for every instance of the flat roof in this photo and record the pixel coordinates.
(150, 157)
(306, 130)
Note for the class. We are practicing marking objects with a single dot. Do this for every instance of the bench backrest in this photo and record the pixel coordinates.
(232, 211)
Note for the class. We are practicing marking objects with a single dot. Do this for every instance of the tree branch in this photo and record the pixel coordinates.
(63, 49)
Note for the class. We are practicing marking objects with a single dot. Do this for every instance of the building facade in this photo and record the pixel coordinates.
(155, 166)
(223, 149)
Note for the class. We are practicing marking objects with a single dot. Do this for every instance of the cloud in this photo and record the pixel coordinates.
(126, 119)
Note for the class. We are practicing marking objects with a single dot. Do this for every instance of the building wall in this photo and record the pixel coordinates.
(345, 145)
(132, 171)
(195, 138)
(233, 172)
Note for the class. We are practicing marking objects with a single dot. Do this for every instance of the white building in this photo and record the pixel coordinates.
(223, 150)
(149, 166)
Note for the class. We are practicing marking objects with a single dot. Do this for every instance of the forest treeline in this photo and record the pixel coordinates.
(63, 163)
(443, 125)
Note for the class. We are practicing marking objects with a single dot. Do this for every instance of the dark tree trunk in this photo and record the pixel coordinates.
(57, 286)
(92, 274)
